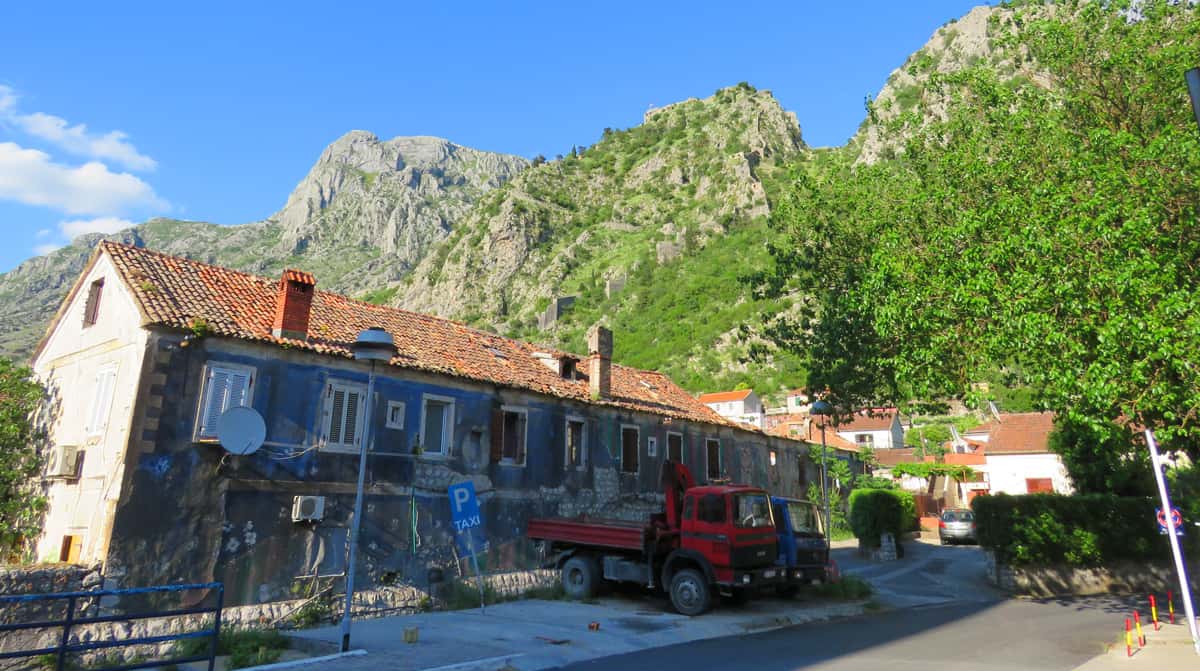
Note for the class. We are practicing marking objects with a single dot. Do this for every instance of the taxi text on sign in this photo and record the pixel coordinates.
(468, 523)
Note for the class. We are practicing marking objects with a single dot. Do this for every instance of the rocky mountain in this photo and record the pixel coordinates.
(366, 213)
(652, 229)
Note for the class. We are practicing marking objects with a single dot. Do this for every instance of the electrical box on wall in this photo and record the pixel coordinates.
(308, 508)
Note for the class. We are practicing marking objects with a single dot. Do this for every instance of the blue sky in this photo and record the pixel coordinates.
(116, 112)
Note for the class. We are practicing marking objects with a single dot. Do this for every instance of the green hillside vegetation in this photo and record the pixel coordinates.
(697, 176)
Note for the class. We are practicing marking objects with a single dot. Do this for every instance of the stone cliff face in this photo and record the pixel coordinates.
(364, 215)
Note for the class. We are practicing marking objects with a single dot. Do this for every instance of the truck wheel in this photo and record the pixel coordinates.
(580, 578)
(690, 593)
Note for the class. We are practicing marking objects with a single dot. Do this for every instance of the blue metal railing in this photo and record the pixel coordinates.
(66, 648)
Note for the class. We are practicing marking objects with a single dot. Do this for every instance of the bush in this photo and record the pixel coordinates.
(245, 647)
(1082, 530)
(876, 511)
(908, 506)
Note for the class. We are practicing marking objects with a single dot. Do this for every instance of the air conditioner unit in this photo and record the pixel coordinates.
(308, 508)
(63, 462)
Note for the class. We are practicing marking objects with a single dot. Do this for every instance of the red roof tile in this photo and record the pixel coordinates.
(1018, 433)
(807, 431)
(725, 396)
(869, 421)
(181, 293)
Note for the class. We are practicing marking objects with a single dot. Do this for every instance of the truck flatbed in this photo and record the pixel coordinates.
(623, 534)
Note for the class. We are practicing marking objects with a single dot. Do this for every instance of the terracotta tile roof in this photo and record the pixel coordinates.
(181, 293)
(869, 421)
(898, 455)
(725, 396)
(1019, 433)
(807, 431)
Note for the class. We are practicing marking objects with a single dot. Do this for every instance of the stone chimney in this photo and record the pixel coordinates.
(293, 305)
(600, 347)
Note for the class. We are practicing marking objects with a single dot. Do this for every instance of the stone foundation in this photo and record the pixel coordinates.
(1122, 577)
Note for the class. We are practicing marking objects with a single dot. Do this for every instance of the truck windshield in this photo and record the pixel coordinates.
(805, 520)
(753, 510)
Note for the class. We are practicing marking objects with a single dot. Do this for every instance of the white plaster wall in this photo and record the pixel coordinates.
(1006, 473)
(881, 439)
(68, 365)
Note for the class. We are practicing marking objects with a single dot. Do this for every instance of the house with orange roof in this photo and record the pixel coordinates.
(742, 406)
(1018, 459)
(878, 428)
(148, 352)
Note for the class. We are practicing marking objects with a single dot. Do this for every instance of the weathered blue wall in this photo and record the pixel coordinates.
(193, 512)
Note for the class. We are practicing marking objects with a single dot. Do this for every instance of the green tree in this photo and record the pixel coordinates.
(1044, 222)
(21, 505)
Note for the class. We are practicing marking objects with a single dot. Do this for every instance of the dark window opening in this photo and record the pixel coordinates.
(91, 311)
(575, 455)
(711, 509)
(514, 437)
(629, 450)
(675, 447)
(713, 450)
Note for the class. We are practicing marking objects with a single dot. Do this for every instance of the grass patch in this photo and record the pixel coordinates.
(245, 647)
(841, 534)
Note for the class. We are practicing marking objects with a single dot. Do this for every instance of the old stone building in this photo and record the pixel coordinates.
(148, 351)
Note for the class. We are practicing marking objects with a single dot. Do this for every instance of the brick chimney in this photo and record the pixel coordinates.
(293, 305)
(600, 346)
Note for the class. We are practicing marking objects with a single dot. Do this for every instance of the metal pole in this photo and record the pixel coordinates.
(478, 575)
(825, 487)
(358, 506)
(1184, 588)
(1193, 83)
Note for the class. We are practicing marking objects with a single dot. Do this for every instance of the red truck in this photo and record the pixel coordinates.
(713, 539)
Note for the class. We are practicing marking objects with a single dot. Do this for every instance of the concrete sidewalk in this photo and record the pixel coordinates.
(532, 634)
(1167, 648)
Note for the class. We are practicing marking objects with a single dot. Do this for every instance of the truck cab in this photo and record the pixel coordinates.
(733, 528)
(803, 546)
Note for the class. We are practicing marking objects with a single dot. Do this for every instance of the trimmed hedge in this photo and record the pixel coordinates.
(874, 511)
(1081, 530)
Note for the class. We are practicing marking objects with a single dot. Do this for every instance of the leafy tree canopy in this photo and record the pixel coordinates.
(1045, 224)
(20, 507)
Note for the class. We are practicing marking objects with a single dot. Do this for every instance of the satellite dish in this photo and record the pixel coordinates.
(241, 430)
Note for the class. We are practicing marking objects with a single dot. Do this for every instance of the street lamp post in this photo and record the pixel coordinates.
(824, 410)
(373, 344)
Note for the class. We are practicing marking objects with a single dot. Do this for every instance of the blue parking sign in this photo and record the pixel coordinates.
(468, 523)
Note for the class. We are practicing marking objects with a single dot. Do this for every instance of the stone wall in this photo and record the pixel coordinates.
(1122, 577)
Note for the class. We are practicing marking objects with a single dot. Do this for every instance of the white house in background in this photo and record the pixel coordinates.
(91, 365)
(798, 402)
(878, 428)
(742, 406)
(1019, 460)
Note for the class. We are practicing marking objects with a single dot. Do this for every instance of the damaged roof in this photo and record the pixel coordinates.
(181, 293)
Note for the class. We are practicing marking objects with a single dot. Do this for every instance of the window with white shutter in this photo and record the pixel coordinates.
(344, 409)
(225, 386)
(102, 394)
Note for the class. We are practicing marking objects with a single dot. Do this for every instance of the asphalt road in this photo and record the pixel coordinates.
(940, 614)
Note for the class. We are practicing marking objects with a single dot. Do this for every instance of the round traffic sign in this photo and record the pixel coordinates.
(1176, 518)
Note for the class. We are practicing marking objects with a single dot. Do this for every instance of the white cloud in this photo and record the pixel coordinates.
(43, 232)
(106, 225)
(111, 146)
(31, 177)
(46, 249)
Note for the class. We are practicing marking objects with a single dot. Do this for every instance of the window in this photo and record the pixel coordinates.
(516, 423)
(711, 509)
(576, 456)
(102, 395)
(675, 447)
(91, 309)
(344, 405)
(712, 450)
(752, 511)
(225, 386)
(70, 549)
(1039, 485)
(864, 438)
(773, 457)
(395, 415)
(651, 447)
(437, 424)
(629, 449)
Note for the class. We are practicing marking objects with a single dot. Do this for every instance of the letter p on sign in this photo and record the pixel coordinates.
(464, 507)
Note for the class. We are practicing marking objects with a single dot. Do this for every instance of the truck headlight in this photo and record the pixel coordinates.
(746, 579)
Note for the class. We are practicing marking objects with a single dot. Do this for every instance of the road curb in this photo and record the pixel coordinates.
(486, 664)
(307, 661)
